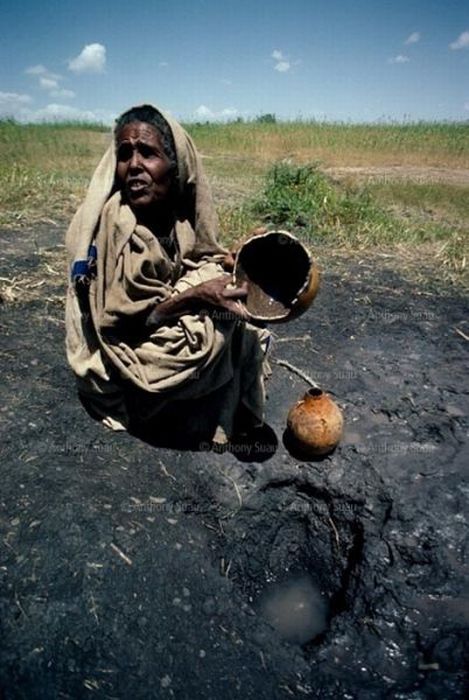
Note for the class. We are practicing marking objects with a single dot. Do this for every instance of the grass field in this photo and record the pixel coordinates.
(273, 174)
(339, 144)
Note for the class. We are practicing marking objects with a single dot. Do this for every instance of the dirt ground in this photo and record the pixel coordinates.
(129, 570)
(420, 174)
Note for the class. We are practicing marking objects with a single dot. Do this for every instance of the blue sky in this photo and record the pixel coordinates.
(349, 60)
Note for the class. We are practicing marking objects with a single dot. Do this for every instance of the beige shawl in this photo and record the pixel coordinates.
(120, 272)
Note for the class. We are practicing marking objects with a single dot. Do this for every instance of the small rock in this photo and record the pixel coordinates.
(453, 410)
(165, 681)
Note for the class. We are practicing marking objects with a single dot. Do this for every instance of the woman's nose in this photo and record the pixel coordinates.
(135, 160)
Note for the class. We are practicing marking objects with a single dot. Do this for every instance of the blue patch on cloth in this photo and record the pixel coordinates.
(85, 269)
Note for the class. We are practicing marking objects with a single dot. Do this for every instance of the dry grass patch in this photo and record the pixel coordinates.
(430, 144)
(45, 282)
(45, 169)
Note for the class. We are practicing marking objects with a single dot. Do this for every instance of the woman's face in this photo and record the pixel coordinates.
(144, 171)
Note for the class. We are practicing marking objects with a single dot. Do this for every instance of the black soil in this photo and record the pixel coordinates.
(129, 571)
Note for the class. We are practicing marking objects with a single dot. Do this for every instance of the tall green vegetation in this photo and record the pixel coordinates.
(305, 200)
(321, 212)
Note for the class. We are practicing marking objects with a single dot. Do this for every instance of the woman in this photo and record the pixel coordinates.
(154, 327)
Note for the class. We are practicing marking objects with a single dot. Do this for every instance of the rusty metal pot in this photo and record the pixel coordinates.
(282, 277)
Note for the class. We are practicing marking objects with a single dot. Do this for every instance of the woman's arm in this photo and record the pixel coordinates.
(213, 293)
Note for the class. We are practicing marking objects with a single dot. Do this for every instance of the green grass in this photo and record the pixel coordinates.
(262, 173)
(430, 200)
(305, 201)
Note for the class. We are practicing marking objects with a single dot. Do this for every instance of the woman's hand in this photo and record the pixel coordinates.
(207, 296)
(219, 293)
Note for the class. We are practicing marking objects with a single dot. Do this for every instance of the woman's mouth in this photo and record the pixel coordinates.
(136, 186)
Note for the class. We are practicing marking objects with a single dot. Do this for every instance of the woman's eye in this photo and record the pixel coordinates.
(124, 153)
(147, 151)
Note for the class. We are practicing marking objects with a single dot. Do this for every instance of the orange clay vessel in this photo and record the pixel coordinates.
(315, 423)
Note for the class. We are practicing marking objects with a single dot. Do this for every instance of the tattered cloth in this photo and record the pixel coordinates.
(125, 271)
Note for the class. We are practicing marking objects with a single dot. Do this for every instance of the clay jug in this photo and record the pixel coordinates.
(315, 423)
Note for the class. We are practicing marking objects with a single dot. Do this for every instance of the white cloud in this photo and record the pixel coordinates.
(92, 59)
(462, 42)
(10, 97)
(12, 102)
(42, 72)
(48, 83)
(204, 112)
(229, 113)
(36, 70)
(282, 63)
(283, 66)
(225, 81)
(59, 112)
(163, 64)
(413, 38)
(400, 58)
(466, 106)
(62, 92)
(17, 105)
(207, 114)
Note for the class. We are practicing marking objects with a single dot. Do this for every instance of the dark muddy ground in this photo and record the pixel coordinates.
(133, 571)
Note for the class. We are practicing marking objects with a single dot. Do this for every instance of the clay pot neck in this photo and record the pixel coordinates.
(314, 394)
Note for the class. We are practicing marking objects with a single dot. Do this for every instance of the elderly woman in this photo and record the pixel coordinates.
(154, 327)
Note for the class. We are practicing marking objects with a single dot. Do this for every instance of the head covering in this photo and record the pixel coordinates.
(194, 204)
